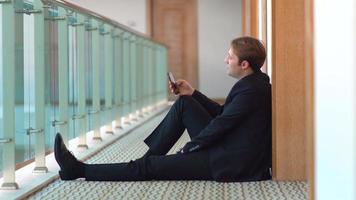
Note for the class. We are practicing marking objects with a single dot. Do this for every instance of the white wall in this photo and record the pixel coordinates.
(218, 23)
(335, 99)
(131, 13)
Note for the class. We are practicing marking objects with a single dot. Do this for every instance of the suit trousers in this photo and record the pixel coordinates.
(186, 113)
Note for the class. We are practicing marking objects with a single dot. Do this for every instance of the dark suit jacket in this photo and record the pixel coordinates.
(239, 136)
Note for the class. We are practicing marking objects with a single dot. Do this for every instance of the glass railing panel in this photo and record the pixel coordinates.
(102, 70)
(77, 76)
(24, 86)
(150, 74)
(2, 136)
(161, 83)
(165, 69)
(62, 121)
(154, 74)
(133, 80)
(29, 82)
(7, 106)
(158, 81)
(39, 52)
(81, 114)
(145, 73)
(73, 93)
(139, 75)
(121, 75)
(118, 77)
(115, 78)
(88, 73)
(126, 74)
(113, 110)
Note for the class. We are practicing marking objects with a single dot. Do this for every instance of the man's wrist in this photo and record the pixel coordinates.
(190, 147)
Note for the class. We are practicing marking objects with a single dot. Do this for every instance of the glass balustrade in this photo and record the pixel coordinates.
(69, 70)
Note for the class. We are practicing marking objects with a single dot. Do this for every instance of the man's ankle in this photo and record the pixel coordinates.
(81, 169)
(149, 153)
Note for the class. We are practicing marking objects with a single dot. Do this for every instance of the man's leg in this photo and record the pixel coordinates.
(193, 166)
(186, 113)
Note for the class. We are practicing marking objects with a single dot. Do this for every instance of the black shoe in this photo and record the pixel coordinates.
(71, 168)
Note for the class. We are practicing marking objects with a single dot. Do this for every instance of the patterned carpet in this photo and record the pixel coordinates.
(131, 147)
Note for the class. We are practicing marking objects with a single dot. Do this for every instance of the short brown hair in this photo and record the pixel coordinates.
(251, 50)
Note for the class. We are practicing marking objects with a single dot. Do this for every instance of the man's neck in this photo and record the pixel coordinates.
(247, 73)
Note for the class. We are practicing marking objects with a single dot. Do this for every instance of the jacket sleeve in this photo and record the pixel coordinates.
(211, 106)
(234, 113)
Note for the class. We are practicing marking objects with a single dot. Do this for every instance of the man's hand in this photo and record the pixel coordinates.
(183, 87)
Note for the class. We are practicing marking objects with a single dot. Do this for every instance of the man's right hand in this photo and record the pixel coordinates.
(183, 87)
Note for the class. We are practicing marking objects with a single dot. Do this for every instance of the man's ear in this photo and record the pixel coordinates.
(245, 64)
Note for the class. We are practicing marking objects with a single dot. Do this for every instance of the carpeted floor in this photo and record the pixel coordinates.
(131, 147)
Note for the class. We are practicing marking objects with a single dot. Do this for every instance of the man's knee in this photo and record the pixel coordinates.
(183, 101)
(185, 98)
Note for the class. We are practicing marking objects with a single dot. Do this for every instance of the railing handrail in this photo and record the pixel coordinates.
(103, 18)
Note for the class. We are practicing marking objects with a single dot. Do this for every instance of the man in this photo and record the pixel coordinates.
(228, 143)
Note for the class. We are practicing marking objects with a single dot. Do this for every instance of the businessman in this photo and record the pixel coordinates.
(227, 143)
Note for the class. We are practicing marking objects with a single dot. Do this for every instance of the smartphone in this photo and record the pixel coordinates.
(172, 80)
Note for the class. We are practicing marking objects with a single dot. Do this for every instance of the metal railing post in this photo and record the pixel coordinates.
(81, 111)
(8, 85)
(96, 82)
(133, 78)
(108, 78)
(40, 162)
(63, 77)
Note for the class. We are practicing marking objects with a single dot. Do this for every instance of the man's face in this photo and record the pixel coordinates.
(233, 67)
